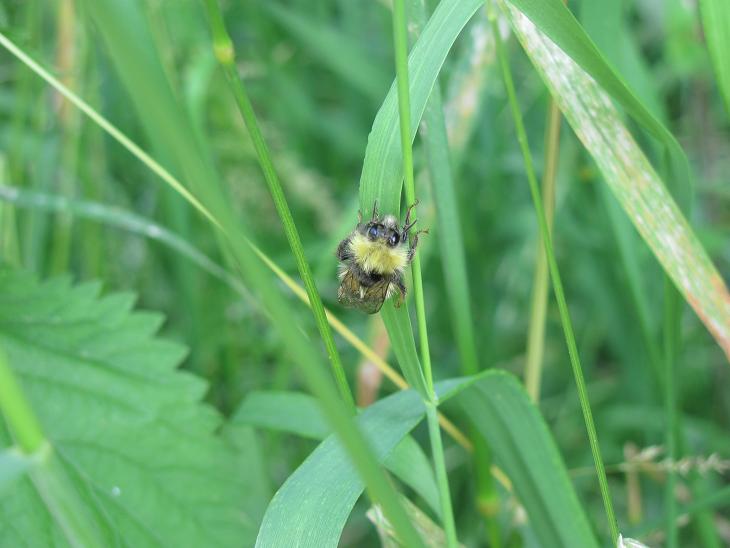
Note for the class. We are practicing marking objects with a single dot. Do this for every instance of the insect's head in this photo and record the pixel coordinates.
(383, 228)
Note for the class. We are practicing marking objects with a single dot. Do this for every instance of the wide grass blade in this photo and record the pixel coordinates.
(716, 22)
(312, 506)
(382, 174)
(556, 21)
(299, 414)
(631, 177)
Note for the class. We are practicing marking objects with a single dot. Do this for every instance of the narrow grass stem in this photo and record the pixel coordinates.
(400, 41)
(442, 479)
(224, 52)
(671, 336)
(555, 277)
(538, 307)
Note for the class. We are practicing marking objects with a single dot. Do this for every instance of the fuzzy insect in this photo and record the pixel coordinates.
(372, 261)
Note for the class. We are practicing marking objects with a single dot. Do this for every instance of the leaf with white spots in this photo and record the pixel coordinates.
(636, 185)
(127, 428)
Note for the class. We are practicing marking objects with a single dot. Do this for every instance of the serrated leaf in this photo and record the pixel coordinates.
(299, 414)
(129, 431)
(312, 506)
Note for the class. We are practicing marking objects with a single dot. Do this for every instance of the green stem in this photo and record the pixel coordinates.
(671, 336)
(400, 41)
(224, 52)
(442, 479)
(17, 412)
(538, 307)
(555, 277)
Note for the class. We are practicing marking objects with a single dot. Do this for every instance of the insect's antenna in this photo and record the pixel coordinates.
(375, 210)
(359, 216)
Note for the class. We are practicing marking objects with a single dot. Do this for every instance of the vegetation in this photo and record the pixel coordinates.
(567, 328)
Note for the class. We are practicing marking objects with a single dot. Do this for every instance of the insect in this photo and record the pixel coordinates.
(372, 261)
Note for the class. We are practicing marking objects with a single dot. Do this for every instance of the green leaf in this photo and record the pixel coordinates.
(382, 174)
(131, 439)
(312, 506)
(556, 21)
(716, 22)
(631, 177)
(299, 414)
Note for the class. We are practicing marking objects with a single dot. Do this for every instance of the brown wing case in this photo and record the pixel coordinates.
(355, 295)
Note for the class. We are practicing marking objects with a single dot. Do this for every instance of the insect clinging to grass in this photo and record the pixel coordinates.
(373, 259)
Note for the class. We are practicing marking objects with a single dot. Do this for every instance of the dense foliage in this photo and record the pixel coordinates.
(184, 437)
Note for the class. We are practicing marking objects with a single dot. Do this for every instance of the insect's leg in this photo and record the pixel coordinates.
(401, 286)
(414, 244)
(408, 215)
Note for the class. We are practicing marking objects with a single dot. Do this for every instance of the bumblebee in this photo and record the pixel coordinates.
(372, 261)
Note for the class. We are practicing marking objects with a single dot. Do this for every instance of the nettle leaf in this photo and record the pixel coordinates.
(128, 428)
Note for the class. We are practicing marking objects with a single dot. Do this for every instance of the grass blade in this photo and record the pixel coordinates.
(224, 52)
(554, 19)
(299, 414)
(556, 282)
(400, 40)
(631, 178)
(311, 508)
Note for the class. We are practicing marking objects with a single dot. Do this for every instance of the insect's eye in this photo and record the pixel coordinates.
(393, 240)
(373, 232)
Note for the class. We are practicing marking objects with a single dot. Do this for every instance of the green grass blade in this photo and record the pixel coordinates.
(556, 21)
(382, 174)
(400, 40)
(556, 281)
(716, 22)
(298, 414)
(225, 53)
(633, 181)
(538, 304)
(312, 506)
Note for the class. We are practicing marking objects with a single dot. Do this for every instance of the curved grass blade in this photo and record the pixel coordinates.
(556, 21)
(312, 506)
(632, 179)
(299, 414)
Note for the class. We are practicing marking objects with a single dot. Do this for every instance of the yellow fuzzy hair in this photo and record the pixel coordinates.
(377, 256)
